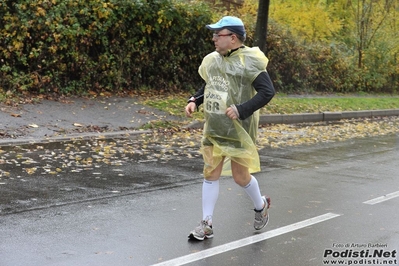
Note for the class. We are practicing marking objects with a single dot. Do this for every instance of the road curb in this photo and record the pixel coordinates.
(313, 117)
(263, 120)
(81, 136)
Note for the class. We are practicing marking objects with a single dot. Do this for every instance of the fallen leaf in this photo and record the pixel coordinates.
(77, 125)
(16, 115)
(31, 170)
(143, 112)
(33, 125)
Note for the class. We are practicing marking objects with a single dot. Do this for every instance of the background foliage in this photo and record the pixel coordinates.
(343, 45)
(71, 46)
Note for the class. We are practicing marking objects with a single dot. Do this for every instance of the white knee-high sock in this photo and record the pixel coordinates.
(253, 192)
(210, 194)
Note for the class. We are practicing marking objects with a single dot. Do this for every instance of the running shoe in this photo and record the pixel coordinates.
(262, 216)
(202, 231)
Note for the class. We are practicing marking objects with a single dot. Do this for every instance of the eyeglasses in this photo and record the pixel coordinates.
(216, 35)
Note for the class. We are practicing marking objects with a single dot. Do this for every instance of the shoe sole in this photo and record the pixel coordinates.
(193, 237)
(268, 200)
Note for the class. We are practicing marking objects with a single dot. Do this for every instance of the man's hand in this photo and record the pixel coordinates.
(190, 108)
(232, 112)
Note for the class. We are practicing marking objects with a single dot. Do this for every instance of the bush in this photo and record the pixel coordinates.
(296, 67)
(73, 46)
(300, 66)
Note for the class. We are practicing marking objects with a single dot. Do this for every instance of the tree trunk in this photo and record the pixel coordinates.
(261, 25)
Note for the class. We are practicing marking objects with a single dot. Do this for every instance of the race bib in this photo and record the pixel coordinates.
(215, 101)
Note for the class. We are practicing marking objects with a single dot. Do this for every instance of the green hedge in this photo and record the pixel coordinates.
(73, 46)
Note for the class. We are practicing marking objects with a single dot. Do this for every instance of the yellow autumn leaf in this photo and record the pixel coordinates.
(148, 29)
(31, 170)
(17, 45)
(40, 12)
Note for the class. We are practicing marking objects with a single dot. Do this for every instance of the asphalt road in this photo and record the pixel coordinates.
(330, 202)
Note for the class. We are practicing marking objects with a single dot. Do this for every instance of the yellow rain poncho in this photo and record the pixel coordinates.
(229, 81)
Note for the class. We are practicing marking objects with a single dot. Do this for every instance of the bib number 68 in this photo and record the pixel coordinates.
(213, 106)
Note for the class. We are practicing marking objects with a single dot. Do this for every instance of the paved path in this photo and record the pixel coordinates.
(72, 117)
(327, 200)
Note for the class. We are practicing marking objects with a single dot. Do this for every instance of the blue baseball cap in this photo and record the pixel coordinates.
(233, 24)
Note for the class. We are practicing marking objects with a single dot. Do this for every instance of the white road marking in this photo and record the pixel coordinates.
(382, 198)
(246, 241)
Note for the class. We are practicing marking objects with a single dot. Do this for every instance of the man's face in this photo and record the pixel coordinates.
(223, 41)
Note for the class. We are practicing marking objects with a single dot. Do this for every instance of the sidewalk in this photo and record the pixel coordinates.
(110, 116)
(75, 117)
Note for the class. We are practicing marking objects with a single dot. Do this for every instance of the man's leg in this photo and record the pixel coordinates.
(243, 178)
(210, 193)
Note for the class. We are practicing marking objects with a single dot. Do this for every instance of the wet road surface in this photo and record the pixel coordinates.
(101, 202)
